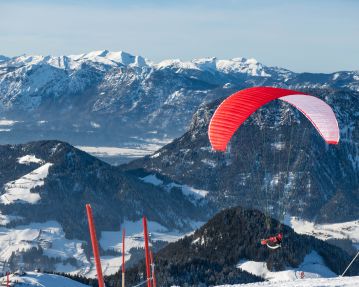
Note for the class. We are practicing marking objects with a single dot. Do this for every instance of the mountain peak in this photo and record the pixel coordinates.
(112, 58)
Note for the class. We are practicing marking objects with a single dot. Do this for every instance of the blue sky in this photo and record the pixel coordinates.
(301, 35)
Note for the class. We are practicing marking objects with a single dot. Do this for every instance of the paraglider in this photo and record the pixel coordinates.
(237, 108)
(273, 242)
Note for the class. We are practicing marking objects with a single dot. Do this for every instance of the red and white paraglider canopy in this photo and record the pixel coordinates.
(234, 110)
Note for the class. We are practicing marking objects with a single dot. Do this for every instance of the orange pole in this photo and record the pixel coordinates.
(7, 279)
(147, 254)
(96, 252)
(153, 270)
(123, 257)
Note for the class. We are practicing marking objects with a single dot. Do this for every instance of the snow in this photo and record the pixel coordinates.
(19, 191)
(344, 230)
(112, 240)
(313, 266)
(236, 65)
(32, 279)
(112, 58)
(95, 125)
(5, 219)
(50, 237)
(209, 162)
(5, 122)
(336, 76)
(278, 145)
(152, 179)
(132, 152)
(317, 282)
(27, 159)
(189, 191)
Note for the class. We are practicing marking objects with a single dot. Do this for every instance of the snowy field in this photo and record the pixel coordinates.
(112, 240)
(19, 190)
(50, 237)
(139, 148)
(193, 194)
(32, 279)
(104, 151)
(313, 266)
(344, 230)
(317, 282)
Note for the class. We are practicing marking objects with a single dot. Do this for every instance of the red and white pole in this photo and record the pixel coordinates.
(123, 257)
(96, 252)
(7, 279)
(153, 270)
(147, 253)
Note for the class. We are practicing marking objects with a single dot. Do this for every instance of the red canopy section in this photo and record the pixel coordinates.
(236, 109)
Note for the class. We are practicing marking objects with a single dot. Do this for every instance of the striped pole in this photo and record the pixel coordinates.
(96, 252)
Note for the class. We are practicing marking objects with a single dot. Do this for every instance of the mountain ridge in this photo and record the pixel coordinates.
(275, 157)
(96, 98)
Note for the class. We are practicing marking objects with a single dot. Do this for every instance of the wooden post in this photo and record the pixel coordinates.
(95, 250)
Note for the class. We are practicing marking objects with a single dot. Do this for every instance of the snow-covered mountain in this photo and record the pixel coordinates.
(44, 188)
(114, 99)
(276, 162)
(227, 250)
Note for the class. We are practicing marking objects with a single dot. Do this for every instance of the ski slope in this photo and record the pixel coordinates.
(19, 190)
(40, 280)
(312, 282)
(313, 266)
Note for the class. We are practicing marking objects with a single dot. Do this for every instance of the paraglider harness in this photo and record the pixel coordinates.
(273, 242)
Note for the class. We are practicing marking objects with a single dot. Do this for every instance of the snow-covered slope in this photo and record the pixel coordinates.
(20, 190)
(318, 282)
(313, 266)
(43, 224)
(276, 161)
(33, 279)
(112, 241)
(344, 230)
(48, 237)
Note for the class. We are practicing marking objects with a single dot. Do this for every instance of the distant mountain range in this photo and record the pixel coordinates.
(107, 98)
